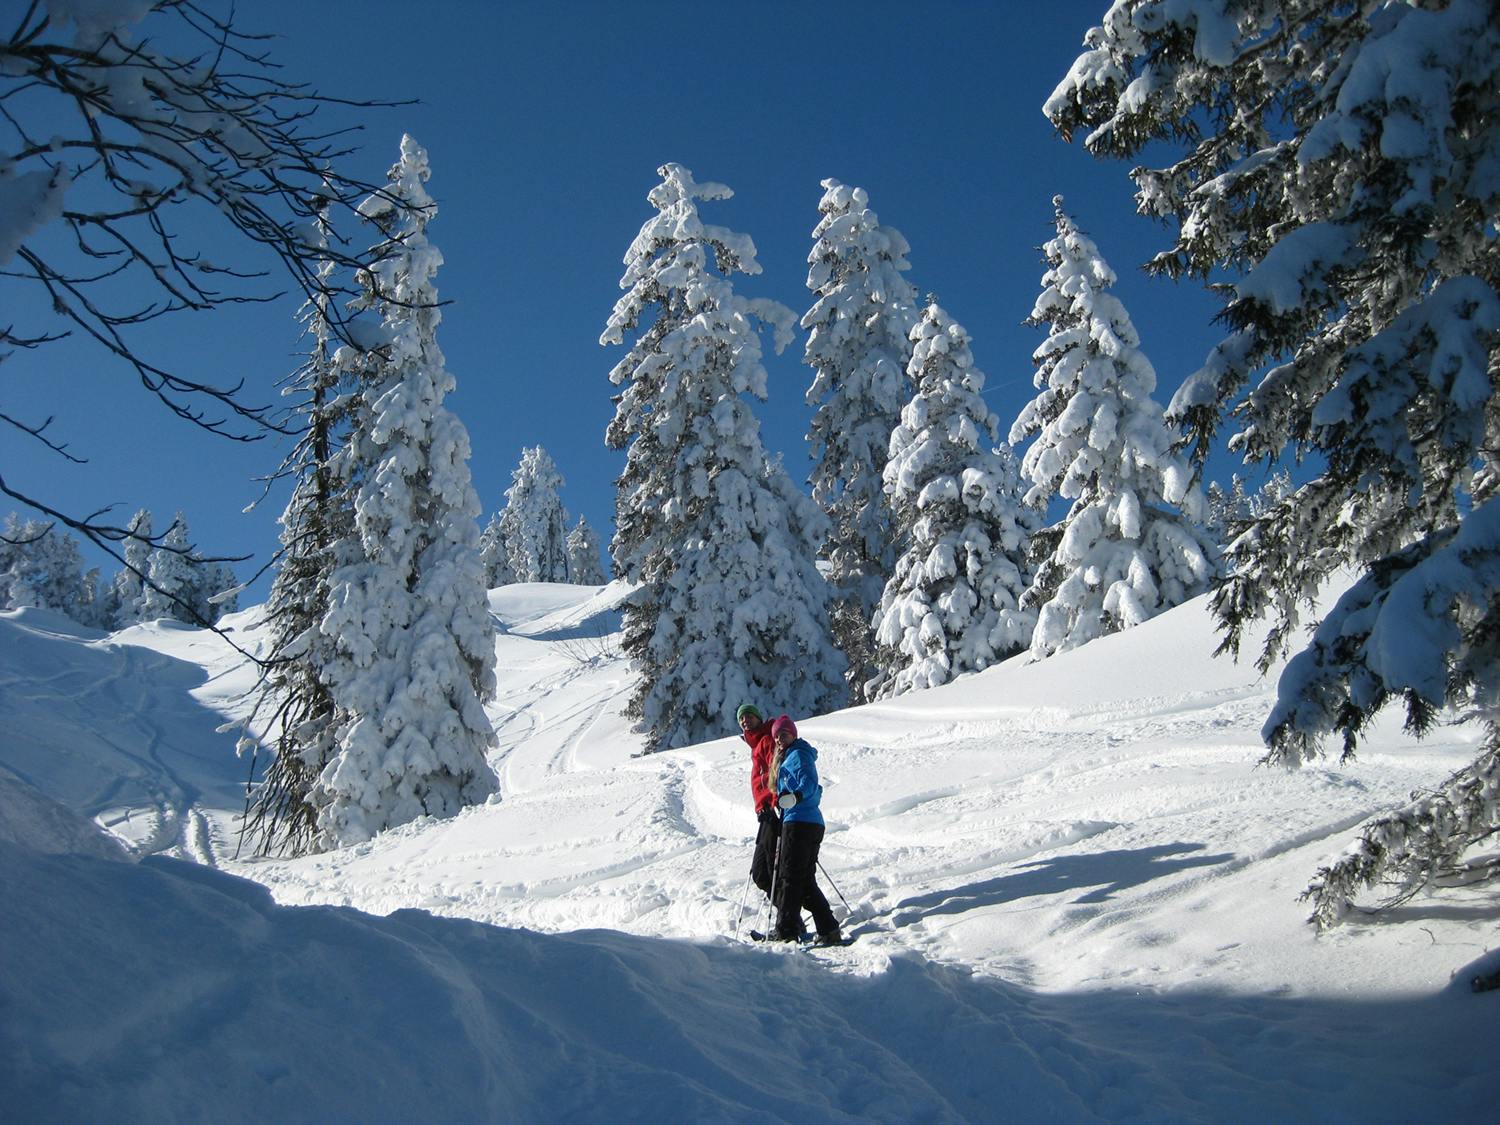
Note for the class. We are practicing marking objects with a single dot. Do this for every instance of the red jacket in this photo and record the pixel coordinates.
(762, 746)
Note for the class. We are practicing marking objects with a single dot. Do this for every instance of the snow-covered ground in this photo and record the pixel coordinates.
(1072, 892)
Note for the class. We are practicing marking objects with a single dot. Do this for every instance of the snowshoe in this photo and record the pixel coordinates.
(756, 935)
(833, 940)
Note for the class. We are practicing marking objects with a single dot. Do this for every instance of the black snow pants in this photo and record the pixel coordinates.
(796, 877)
(763, 863)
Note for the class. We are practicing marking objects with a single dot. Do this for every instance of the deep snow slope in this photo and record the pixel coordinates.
(1093, 820)
(1074, 897)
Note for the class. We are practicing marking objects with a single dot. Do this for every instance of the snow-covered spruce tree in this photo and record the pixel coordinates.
(583, 556)
(1231, 509)
(40, 566)
(18, 562)
(295, 704)
(172, 582)
(859, 346)
(217, 591)
(414, 645)
(127, 587)
(59, 574)
(952, 603)
(534, 524)
(1131, 544)
(95, 610)
(183, 586)
(1341, 168)
(729, 605)
(494, 554)
(1225, 506)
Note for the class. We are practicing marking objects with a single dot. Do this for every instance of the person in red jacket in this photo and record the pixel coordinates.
(756, 730)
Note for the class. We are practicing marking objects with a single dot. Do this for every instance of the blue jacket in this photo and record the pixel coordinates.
(799, 775)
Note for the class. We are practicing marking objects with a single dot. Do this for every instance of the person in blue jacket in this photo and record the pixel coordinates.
(798, 795)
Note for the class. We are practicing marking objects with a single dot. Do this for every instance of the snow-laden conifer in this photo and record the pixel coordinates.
(217, 591)
(19, 562)
(534, 524)
(1131, 544)
(584, 565)
(494, 553)
(952, 604)
(858, 344)
(127, 587)
(415, 651)
(41, 566)
(1342, 174)
(172, 586)
(1231, 509)
(729, 605)
(183, 586)
(95, 610)
(295, 705)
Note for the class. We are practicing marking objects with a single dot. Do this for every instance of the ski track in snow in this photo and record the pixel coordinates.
(152, 795)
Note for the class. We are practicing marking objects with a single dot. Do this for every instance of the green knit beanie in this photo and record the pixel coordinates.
(747, 709)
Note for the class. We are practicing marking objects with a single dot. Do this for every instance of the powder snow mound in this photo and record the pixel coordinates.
(48, 622)
(557, 610)
(33, 820)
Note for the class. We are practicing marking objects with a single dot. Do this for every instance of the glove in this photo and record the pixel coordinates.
(786, 800)
(768, 815)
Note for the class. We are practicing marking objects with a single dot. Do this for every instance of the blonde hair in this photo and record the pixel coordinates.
(773, 768)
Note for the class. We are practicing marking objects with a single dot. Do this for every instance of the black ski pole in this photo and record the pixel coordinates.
(835, 887)
(771, 894)
(745, 893)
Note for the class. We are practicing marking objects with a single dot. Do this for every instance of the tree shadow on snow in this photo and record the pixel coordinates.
(1484, 906)
(599, 628)
(1102, 873)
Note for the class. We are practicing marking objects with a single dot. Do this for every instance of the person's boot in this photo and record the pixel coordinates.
(830, 937)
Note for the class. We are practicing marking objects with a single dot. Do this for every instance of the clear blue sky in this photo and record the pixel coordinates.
(545, 124)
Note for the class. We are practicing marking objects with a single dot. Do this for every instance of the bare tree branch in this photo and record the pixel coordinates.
(122, 136)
